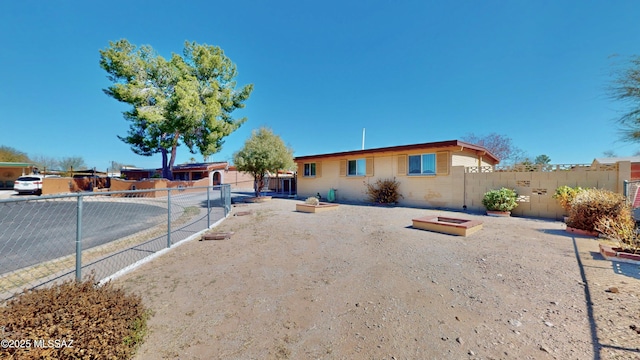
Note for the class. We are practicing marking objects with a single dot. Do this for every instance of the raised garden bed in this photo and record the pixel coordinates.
(316, 208)
(259, 199)
(618, 254)
(582, 232)
(447, 225)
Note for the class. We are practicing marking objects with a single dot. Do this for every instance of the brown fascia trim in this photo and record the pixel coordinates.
(440, 144)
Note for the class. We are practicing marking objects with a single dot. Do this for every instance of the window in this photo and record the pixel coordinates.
(310, 169)
(424, 164)
(357, 167)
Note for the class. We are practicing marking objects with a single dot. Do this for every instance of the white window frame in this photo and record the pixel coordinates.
(360, 165)
(422, 170)
(312, 170)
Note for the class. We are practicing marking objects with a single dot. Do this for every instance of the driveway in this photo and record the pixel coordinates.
(360, 282)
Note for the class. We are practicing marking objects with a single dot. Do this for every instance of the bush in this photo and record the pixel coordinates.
(99, 322)
(622, 230)
(591, 205)
(565, 195)
(312, 201)
(383, 191)
(500, 200)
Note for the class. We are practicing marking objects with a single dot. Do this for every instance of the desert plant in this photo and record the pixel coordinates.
(565, 195)
(500, 200)
(622, 230)
(383, 191)
(590, 205)
(312, 201)
(83, 321)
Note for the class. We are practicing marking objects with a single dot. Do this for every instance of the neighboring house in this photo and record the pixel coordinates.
(10, 171)
(424, 172)
(634, 160)
(218, 172)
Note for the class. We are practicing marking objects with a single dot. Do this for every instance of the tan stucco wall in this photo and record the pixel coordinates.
(8, 175)
(460, 187)
(423, 191)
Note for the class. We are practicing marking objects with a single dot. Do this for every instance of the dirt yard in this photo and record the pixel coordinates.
(360, 283)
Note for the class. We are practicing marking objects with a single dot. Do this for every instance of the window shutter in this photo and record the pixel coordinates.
(442, 163)
(318, 169)
(369, 166)
(343, 167)
(402, 164)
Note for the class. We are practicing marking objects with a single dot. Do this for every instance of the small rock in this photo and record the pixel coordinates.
(515, 322)
(471, 353)
(459, 340)
(545, 349)
(613, 290)
(554, 303)
(549, 324)
(635, 328)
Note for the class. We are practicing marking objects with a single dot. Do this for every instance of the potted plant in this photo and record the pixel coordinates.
(500, 202)
(565, 195)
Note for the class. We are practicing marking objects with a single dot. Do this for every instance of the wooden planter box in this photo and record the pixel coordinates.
(499, 213)
(316, 208)
(447, 225)
(617, 254)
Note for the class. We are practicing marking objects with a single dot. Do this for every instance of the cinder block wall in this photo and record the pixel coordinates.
(536, 188)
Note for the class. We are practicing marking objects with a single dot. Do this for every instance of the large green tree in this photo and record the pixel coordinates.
(263, 152)
(186, 100)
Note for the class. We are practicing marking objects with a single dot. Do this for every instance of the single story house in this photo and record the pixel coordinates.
(424, 172)
(11, 171)
(218, 172)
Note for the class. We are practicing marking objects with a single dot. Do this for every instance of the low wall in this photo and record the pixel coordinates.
(535, 189)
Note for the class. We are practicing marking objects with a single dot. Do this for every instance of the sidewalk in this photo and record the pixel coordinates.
(5, 194)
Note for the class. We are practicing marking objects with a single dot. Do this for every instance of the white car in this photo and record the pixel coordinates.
(28, 184)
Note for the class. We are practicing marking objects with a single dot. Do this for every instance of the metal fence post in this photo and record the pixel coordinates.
(208, 208)
(168, 218)
(625, 190)
(79, 239)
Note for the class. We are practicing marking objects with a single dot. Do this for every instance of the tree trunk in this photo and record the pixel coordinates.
(257, 183)
(166, 173)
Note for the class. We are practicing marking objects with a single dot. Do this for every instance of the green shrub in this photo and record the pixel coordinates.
(590, 205)
(99, 322)
(565, 195)
(383, 191)
(500, 200)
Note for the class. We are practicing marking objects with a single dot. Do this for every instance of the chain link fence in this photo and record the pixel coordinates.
(54, 238)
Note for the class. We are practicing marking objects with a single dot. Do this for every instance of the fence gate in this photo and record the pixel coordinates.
(631, 192)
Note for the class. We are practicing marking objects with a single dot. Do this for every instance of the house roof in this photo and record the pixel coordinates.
(432, 145)
(201, 166)
(613, 160)
(14, 164)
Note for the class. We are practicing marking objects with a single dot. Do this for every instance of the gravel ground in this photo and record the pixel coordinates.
(360, 283)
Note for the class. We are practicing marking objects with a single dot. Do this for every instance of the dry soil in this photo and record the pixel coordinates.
(360, 283)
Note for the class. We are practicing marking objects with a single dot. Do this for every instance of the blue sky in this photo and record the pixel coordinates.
(407, 71)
